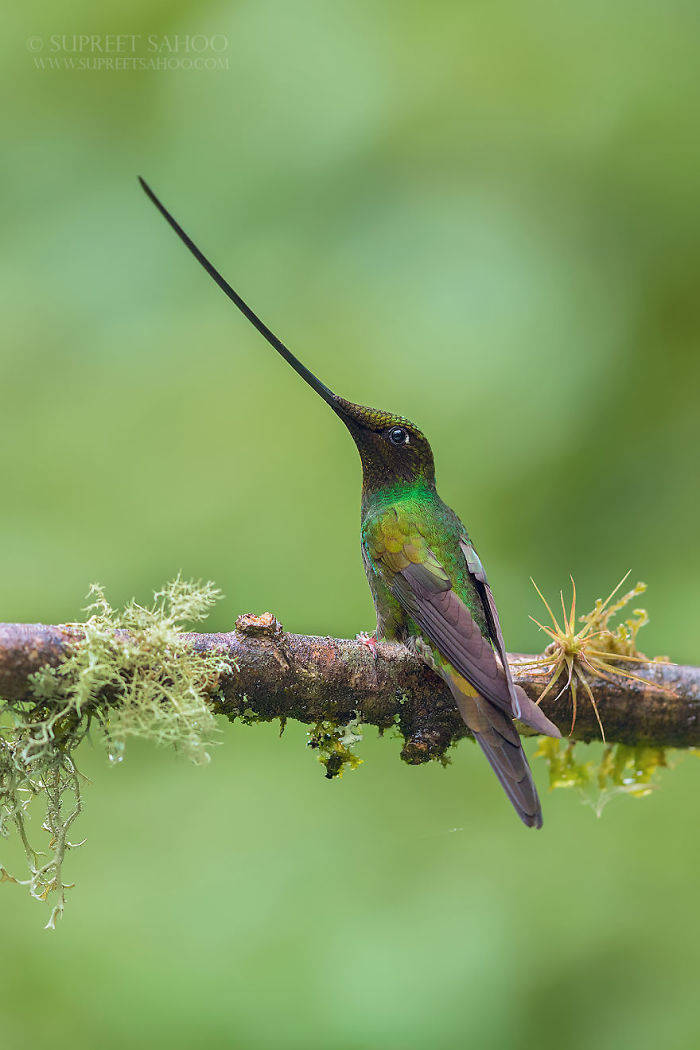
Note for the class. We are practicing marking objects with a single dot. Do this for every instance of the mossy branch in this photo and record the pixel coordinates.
(136, 673)
(266, 674)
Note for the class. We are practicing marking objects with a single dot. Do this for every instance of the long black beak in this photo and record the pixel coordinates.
(328, 396)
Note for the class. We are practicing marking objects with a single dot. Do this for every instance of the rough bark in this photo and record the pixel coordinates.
(278, 675)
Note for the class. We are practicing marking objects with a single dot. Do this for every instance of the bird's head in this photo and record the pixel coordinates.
(392, 449)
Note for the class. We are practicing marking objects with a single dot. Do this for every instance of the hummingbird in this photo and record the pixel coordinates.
(428, 584)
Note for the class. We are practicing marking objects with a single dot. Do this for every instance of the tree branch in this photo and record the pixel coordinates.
(273, 674)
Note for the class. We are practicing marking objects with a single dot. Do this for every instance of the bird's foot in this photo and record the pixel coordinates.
(369, 640)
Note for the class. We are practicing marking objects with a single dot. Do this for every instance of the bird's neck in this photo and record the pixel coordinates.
(376, 497)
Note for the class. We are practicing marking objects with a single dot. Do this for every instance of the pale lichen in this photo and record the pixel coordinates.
(126, 675)
(335, 744)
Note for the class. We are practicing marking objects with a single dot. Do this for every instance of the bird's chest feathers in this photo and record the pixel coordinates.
(394, 534)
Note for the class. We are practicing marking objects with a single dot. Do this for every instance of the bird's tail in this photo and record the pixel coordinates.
(509, 763)
(499, 740)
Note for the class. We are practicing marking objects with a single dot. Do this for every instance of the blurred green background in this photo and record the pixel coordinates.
(484, 216)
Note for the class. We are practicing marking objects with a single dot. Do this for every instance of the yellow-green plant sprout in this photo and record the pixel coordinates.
(625, 770)
(158, 690)
(564, 769)
(621, 770)
(593, 649)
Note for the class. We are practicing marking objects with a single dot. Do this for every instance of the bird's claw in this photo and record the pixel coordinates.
(369, 640)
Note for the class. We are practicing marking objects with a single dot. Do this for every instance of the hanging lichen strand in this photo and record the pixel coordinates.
(157, 689)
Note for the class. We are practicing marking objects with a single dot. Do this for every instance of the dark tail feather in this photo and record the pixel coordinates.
(499, 740)
(509, 763)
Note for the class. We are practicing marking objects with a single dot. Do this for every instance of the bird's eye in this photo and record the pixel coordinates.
(398, 436)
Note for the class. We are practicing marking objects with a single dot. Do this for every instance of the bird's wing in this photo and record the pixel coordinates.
(522, 706)
(422, 585)
(483, 588)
